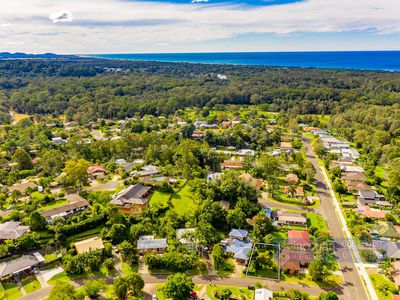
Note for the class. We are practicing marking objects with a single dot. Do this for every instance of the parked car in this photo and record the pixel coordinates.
(154, 297)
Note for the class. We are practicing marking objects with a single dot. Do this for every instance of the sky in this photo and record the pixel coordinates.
(171, 26)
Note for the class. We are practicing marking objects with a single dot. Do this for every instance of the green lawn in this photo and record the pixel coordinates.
(237, 293)
(183, 201)
(63, 276)
(30, 285)
(160, 198)
(53, 204)
(10, 291)
(50, 257)
(383, 286)
(317, 221)
(127, 268)
(86, 234)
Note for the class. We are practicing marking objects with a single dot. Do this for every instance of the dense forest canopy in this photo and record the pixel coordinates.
(85, 89)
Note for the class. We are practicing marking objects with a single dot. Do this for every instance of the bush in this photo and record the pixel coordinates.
(171, 261)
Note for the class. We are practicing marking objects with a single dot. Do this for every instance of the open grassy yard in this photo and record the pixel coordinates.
(19, 117)
(63, 276)
(160, 198)
(127, 268)
(383, 286)
(83, 235)
(238, 293)
(317, 221)
(30, 285)
(183, 201)
(53, 204)
(10, 291)
(50, 257)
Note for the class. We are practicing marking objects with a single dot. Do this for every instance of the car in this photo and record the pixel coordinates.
(115, 249)
(154, 297)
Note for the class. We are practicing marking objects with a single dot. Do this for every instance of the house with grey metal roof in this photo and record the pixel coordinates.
(12, 230)
(240, 234)
(147, 244)
(134, 197)
(23, 264)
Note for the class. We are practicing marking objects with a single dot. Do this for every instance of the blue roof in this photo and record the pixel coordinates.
(238, 233)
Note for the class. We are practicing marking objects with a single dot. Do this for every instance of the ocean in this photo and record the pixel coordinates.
(360, 60)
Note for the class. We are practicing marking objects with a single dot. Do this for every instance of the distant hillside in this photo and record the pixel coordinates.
(20, 55)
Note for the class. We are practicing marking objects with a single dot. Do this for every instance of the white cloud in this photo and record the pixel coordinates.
(5, 25)
(131, 26)
(61, 16)
(199, 1)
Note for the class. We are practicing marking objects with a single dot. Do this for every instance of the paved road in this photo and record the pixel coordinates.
(201, 279)
(352, 287)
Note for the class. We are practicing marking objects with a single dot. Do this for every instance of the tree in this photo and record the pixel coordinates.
(76, 173)
(52, 162)
(262, 226)
(297, 295)
(135, 283)
(328, 296)
(116, 233)
(224, 294)
(127, 250)
(120, 287)
(23, 159)
(63, 290)
(93, 288)
(178, 286)
(37, 222)
(218, 256)
(317, 270)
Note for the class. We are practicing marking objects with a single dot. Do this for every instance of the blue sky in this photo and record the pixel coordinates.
(149, 26)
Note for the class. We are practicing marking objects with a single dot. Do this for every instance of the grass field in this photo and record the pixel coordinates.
(63, 276)
(317, 221)
(54, 204)
(159, 198)
(10, 291)
(127, 268)
(183, 201)
(86, 234)
(237, 293)
(19, 117)
(50, 257)
(30, 285)
(383, 286)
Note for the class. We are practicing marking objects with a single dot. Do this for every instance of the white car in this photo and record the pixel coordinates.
(154, 297)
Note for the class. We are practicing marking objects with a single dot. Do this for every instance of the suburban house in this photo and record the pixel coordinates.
(352, 169)
(22, 187)
(385, 229)
(148, 243)
(292, 178)
(286, 146)
(96, 171)
(186, 237)
(372, 213)
(370, 197)
(289, 218)
(395, 272)
(22, 265)
(198, 134)
(238, 245)
(353, 176)
(257, 183)
(132, 199)
(12, 230)
(232, 164)
(298, 251)
(94, 243)
(245, 152)
(65, 210)
(263, 294)
(213, 177)
(150, 170)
